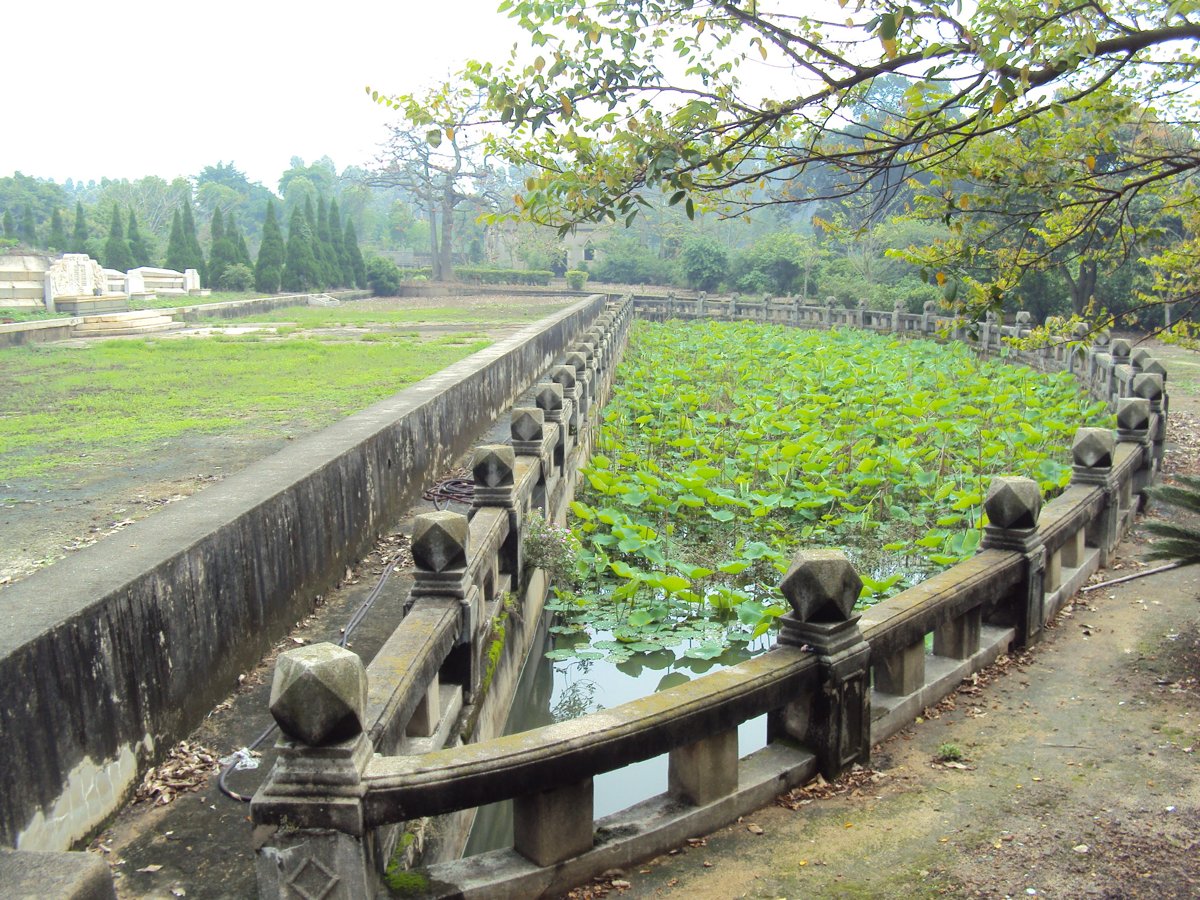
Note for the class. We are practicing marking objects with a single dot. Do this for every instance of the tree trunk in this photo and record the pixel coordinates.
(435, 260)
(447, 260)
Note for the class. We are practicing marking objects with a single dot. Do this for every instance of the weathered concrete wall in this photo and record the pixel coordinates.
(119, 650)
(231, 309)
(37, 332)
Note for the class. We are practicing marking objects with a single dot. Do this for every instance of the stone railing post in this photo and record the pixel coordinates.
(313, 796)
(899, 308)
(1013, 506)
(548, 396)
(440, 547)
(1149, 386)
(929, 317)
(1093, 450)
(733, 305)
(834, 721)
(1134, 426)
(494, 470)
(827, 311)
(528, 430)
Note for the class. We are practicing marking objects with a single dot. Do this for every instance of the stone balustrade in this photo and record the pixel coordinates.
(835, 683)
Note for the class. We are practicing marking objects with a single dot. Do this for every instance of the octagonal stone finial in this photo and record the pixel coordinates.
(1093, 448)
(821, 586)
(549, 396)
(1154, 366)
(1133, 414)
(319, 694)
(564, 375)
(1139, 356)
(1148, 385)
(1101, 339)
(1024, 318)
(493, 465)
(1080, 330)
(1013, 503)
(929, 306)
(528, 423)
(1120, 349)
(578, 361)
(439, 541)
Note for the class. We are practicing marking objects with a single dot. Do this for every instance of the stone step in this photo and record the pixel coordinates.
(117, 329)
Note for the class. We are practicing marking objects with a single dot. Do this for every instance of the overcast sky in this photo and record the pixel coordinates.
(131, 88)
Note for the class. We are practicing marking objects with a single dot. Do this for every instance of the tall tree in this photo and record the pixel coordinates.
(178, 253)
(79, 234)
(241, 253)
(324, 247)
(221, 252)
(357, 264)
(268, 268)
(116, 248)
(439, 159)
(10, 225)
(28, 229)
(137, 244)
(301, 271)
(58, 233)
(195, 255)
(610, 127)
(336, 238)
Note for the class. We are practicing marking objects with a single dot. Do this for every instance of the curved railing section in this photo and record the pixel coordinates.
(350, 767)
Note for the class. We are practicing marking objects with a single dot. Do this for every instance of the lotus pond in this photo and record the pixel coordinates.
(728, 446)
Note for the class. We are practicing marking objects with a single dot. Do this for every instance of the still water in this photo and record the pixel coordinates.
(556, 691)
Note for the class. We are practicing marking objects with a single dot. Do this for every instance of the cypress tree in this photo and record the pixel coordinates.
(241, 253)
(58, 232)
(28, 230)
(220, 256)
(268, 269)
(195, 256)
(79, 237)
(354, 255)
(337, 238)
(116, 248)
(324, 247)
(301, 271)
(137, 244)
(10, 225)
(177, 249)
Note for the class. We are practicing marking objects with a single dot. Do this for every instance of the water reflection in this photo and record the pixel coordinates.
(556, 691)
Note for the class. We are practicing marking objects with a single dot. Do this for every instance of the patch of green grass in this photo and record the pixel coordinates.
(170, 301)
(101, 402)
(358, 316)
(28, 314)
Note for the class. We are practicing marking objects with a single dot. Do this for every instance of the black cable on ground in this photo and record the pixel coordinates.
(355, 621)
(451, 490)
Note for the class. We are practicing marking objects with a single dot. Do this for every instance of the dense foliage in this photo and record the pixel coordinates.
(728, 446)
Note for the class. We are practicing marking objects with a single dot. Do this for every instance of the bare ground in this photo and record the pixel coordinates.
(41, 520)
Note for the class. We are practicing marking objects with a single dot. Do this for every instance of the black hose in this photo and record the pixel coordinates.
(355, 621)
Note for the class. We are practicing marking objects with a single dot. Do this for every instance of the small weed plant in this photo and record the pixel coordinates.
(552, 548)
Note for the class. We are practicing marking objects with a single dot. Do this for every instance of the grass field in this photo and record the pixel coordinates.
(67, 406)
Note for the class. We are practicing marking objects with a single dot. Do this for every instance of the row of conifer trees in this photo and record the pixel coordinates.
(320, 252)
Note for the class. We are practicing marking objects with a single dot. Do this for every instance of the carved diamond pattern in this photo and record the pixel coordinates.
(312, 880)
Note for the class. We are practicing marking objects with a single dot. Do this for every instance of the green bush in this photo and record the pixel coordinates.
(576, 279)
(625, 261)
(237, 277)
(703, 263)
(488, 275)
(383, 276)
